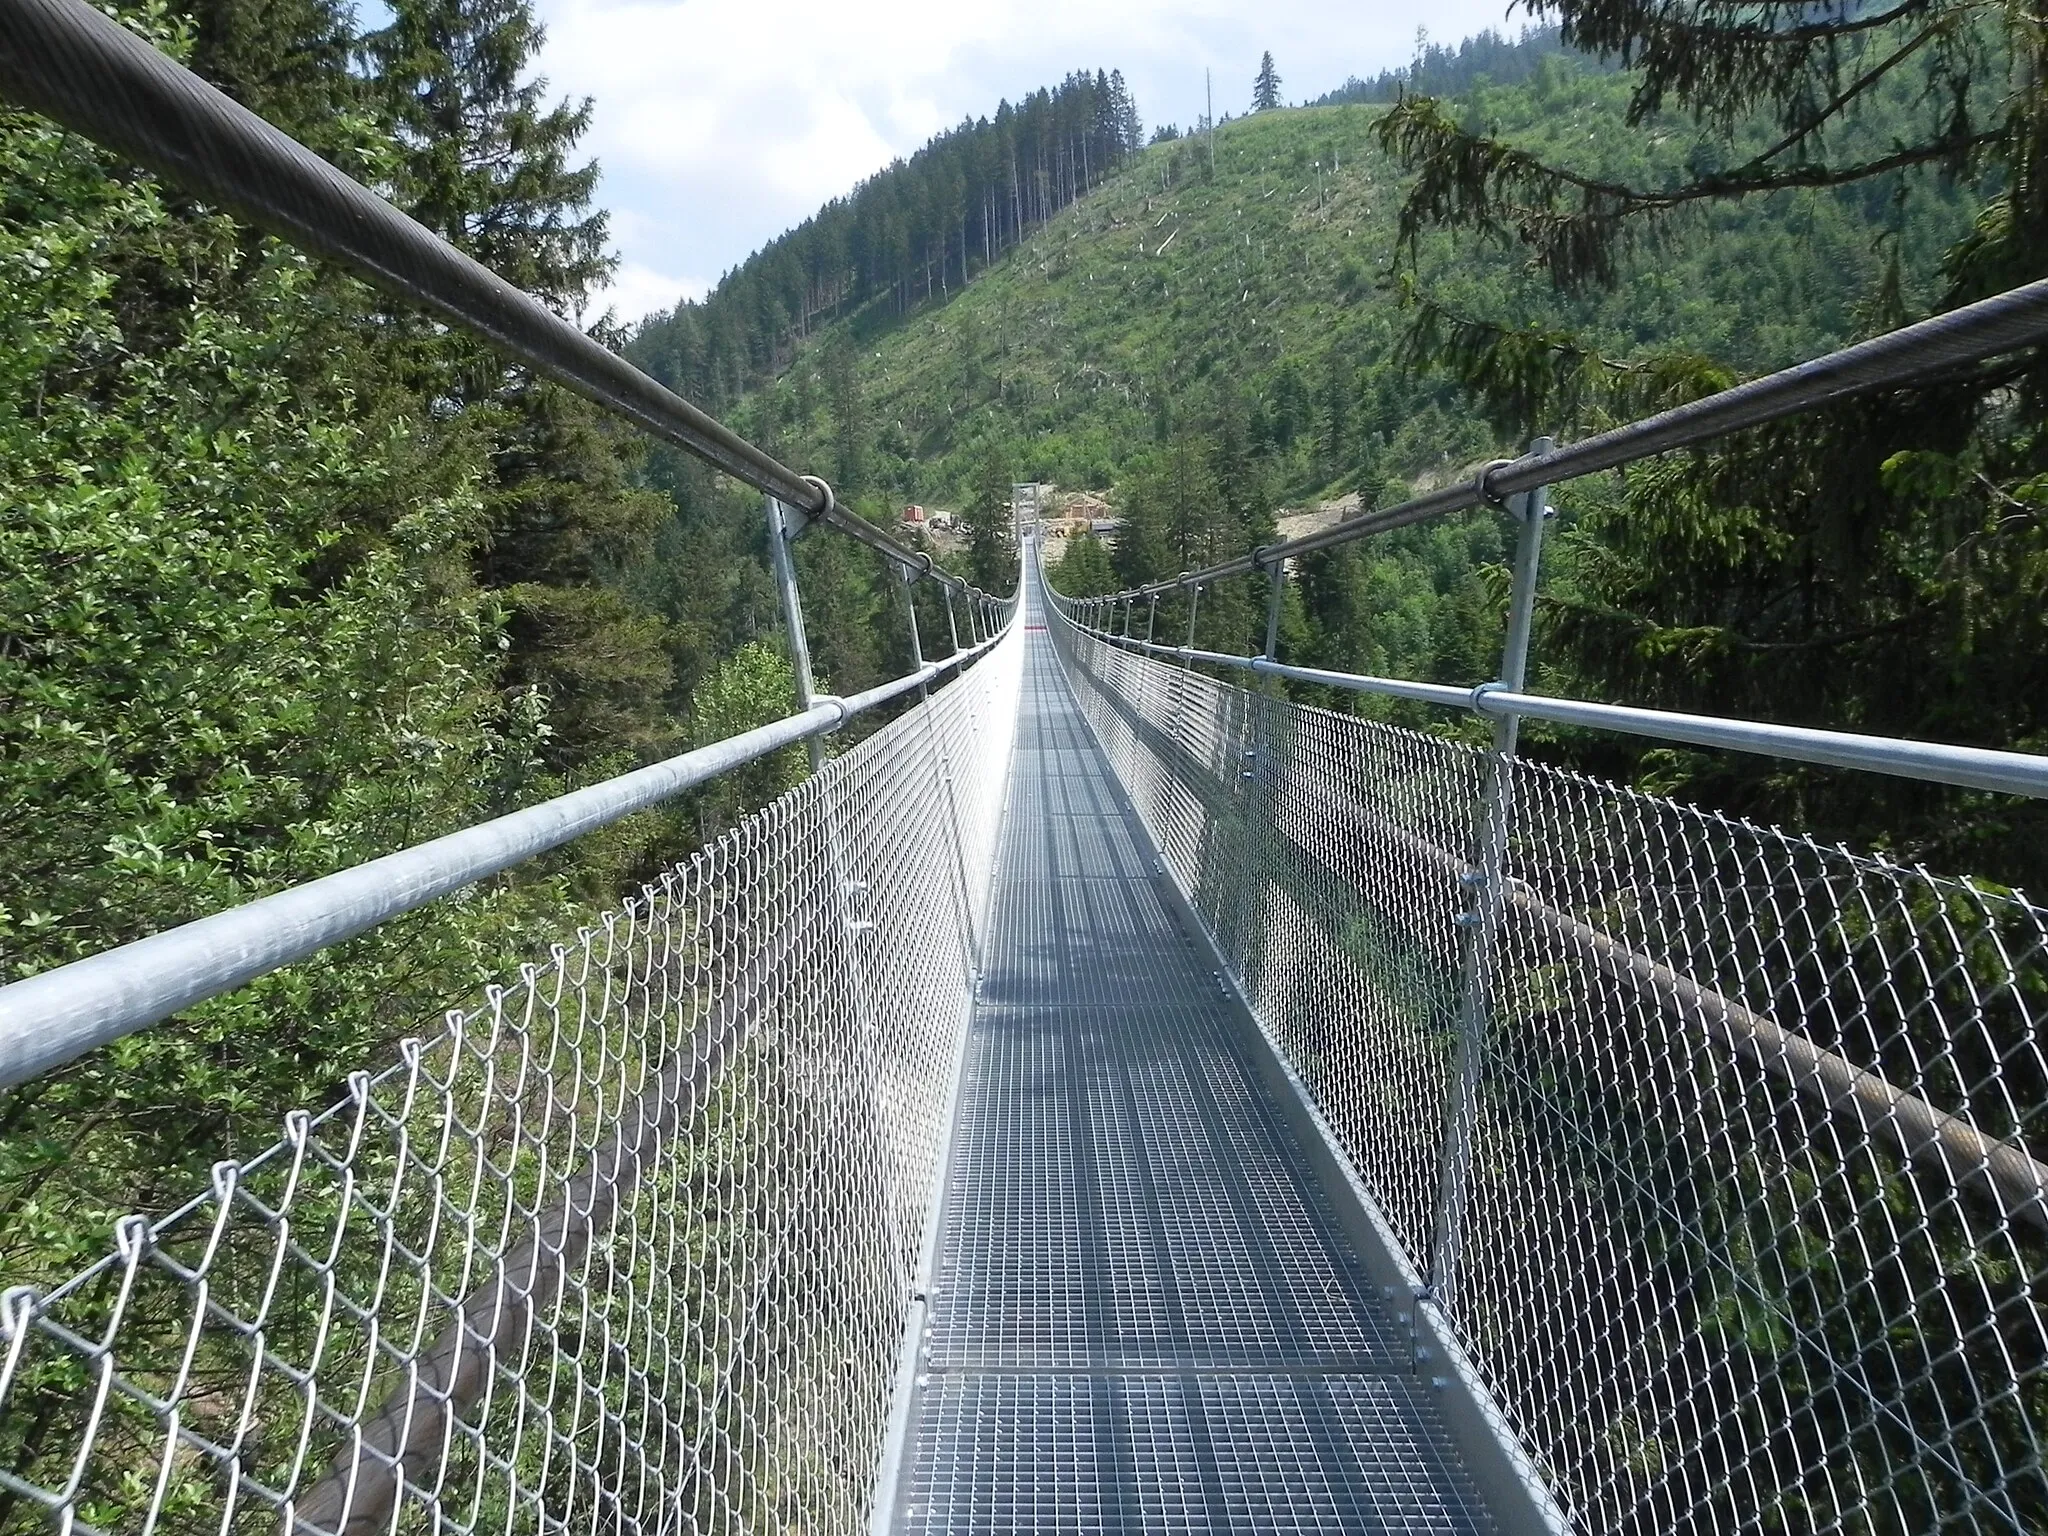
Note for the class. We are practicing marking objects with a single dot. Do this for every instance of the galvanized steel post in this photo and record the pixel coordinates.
(907, 579)
(1481, 919)
(1273, 607)
(1256, 786)
(780, 532)
(937, 744)
(1187, 664)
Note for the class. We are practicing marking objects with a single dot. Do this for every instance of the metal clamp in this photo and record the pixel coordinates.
(796, 519)
(1484, 490)
(1479, 696)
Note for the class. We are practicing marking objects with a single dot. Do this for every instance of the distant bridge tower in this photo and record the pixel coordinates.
(1026, 503)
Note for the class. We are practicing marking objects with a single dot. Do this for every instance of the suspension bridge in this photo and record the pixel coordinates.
(1108, 1096)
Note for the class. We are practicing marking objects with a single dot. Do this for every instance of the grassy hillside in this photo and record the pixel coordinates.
(1215, 346)
(1264, 288)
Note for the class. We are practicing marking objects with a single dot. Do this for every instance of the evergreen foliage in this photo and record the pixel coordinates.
(288, 61)
(1828, 95)
(1485, 58)
(988, 524)
(244, 649)
(1266, 87)
(297, 577)
(1877, 566)
(1084, 568)
(481, 159)
(914, 232)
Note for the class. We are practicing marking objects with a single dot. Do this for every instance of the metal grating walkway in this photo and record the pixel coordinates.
(1143, 1313)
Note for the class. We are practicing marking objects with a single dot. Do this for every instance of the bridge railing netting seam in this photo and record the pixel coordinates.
(1709, 1257)
(626, 1246)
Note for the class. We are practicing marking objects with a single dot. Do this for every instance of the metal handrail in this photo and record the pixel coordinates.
(2011, 773)
(1922, 1130)
(58, 1015)
(86, 71)
(1912, 353)
(1908, 355)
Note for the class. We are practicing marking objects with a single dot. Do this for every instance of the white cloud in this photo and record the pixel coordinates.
(719, 125)
(638, 290)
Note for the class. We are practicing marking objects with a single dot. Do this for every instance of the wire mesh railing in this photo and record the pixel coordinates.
(1718, 1161)
(627, 1246)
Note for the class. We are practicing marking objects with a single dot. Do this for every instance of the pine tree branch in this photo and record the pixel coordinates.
(1719, 68)
(1532, 376)
(1635, 19)
(1470, 181)
(1846, 97)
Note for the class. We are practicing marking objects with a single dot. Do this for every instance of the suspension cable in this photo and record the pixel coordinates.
(86, 71)
(1910, 355)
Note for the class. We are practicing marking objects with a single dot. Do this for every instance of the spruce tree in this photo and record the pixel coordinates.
(850, 426)
(1129, 128)
(287, 61)
(486, 163)
(1083, 569)
(1868, 565)
(1266, 88)
(988, 524)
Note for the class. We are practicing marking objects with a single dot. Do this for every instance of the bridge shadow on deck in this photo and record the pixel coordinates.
(1144, 1314)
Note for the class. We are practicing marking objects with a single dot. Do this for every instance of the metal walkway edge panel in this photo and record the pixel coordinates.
(1143, 1314)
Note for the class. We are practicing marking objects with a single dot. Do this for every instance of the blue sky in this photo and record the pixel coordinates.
(720, 123)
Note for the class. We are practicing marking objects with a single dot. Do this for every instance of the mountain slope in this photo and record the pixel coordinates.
(1172, 288)
(1216, 346)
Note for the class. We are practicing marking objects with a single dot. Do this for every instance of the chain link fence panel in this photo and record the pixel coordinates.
(626, 1247)
(1746, 1228)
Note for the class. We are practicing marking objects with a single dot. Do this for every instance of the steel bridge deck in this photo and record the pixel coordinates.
(1143, 1313)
